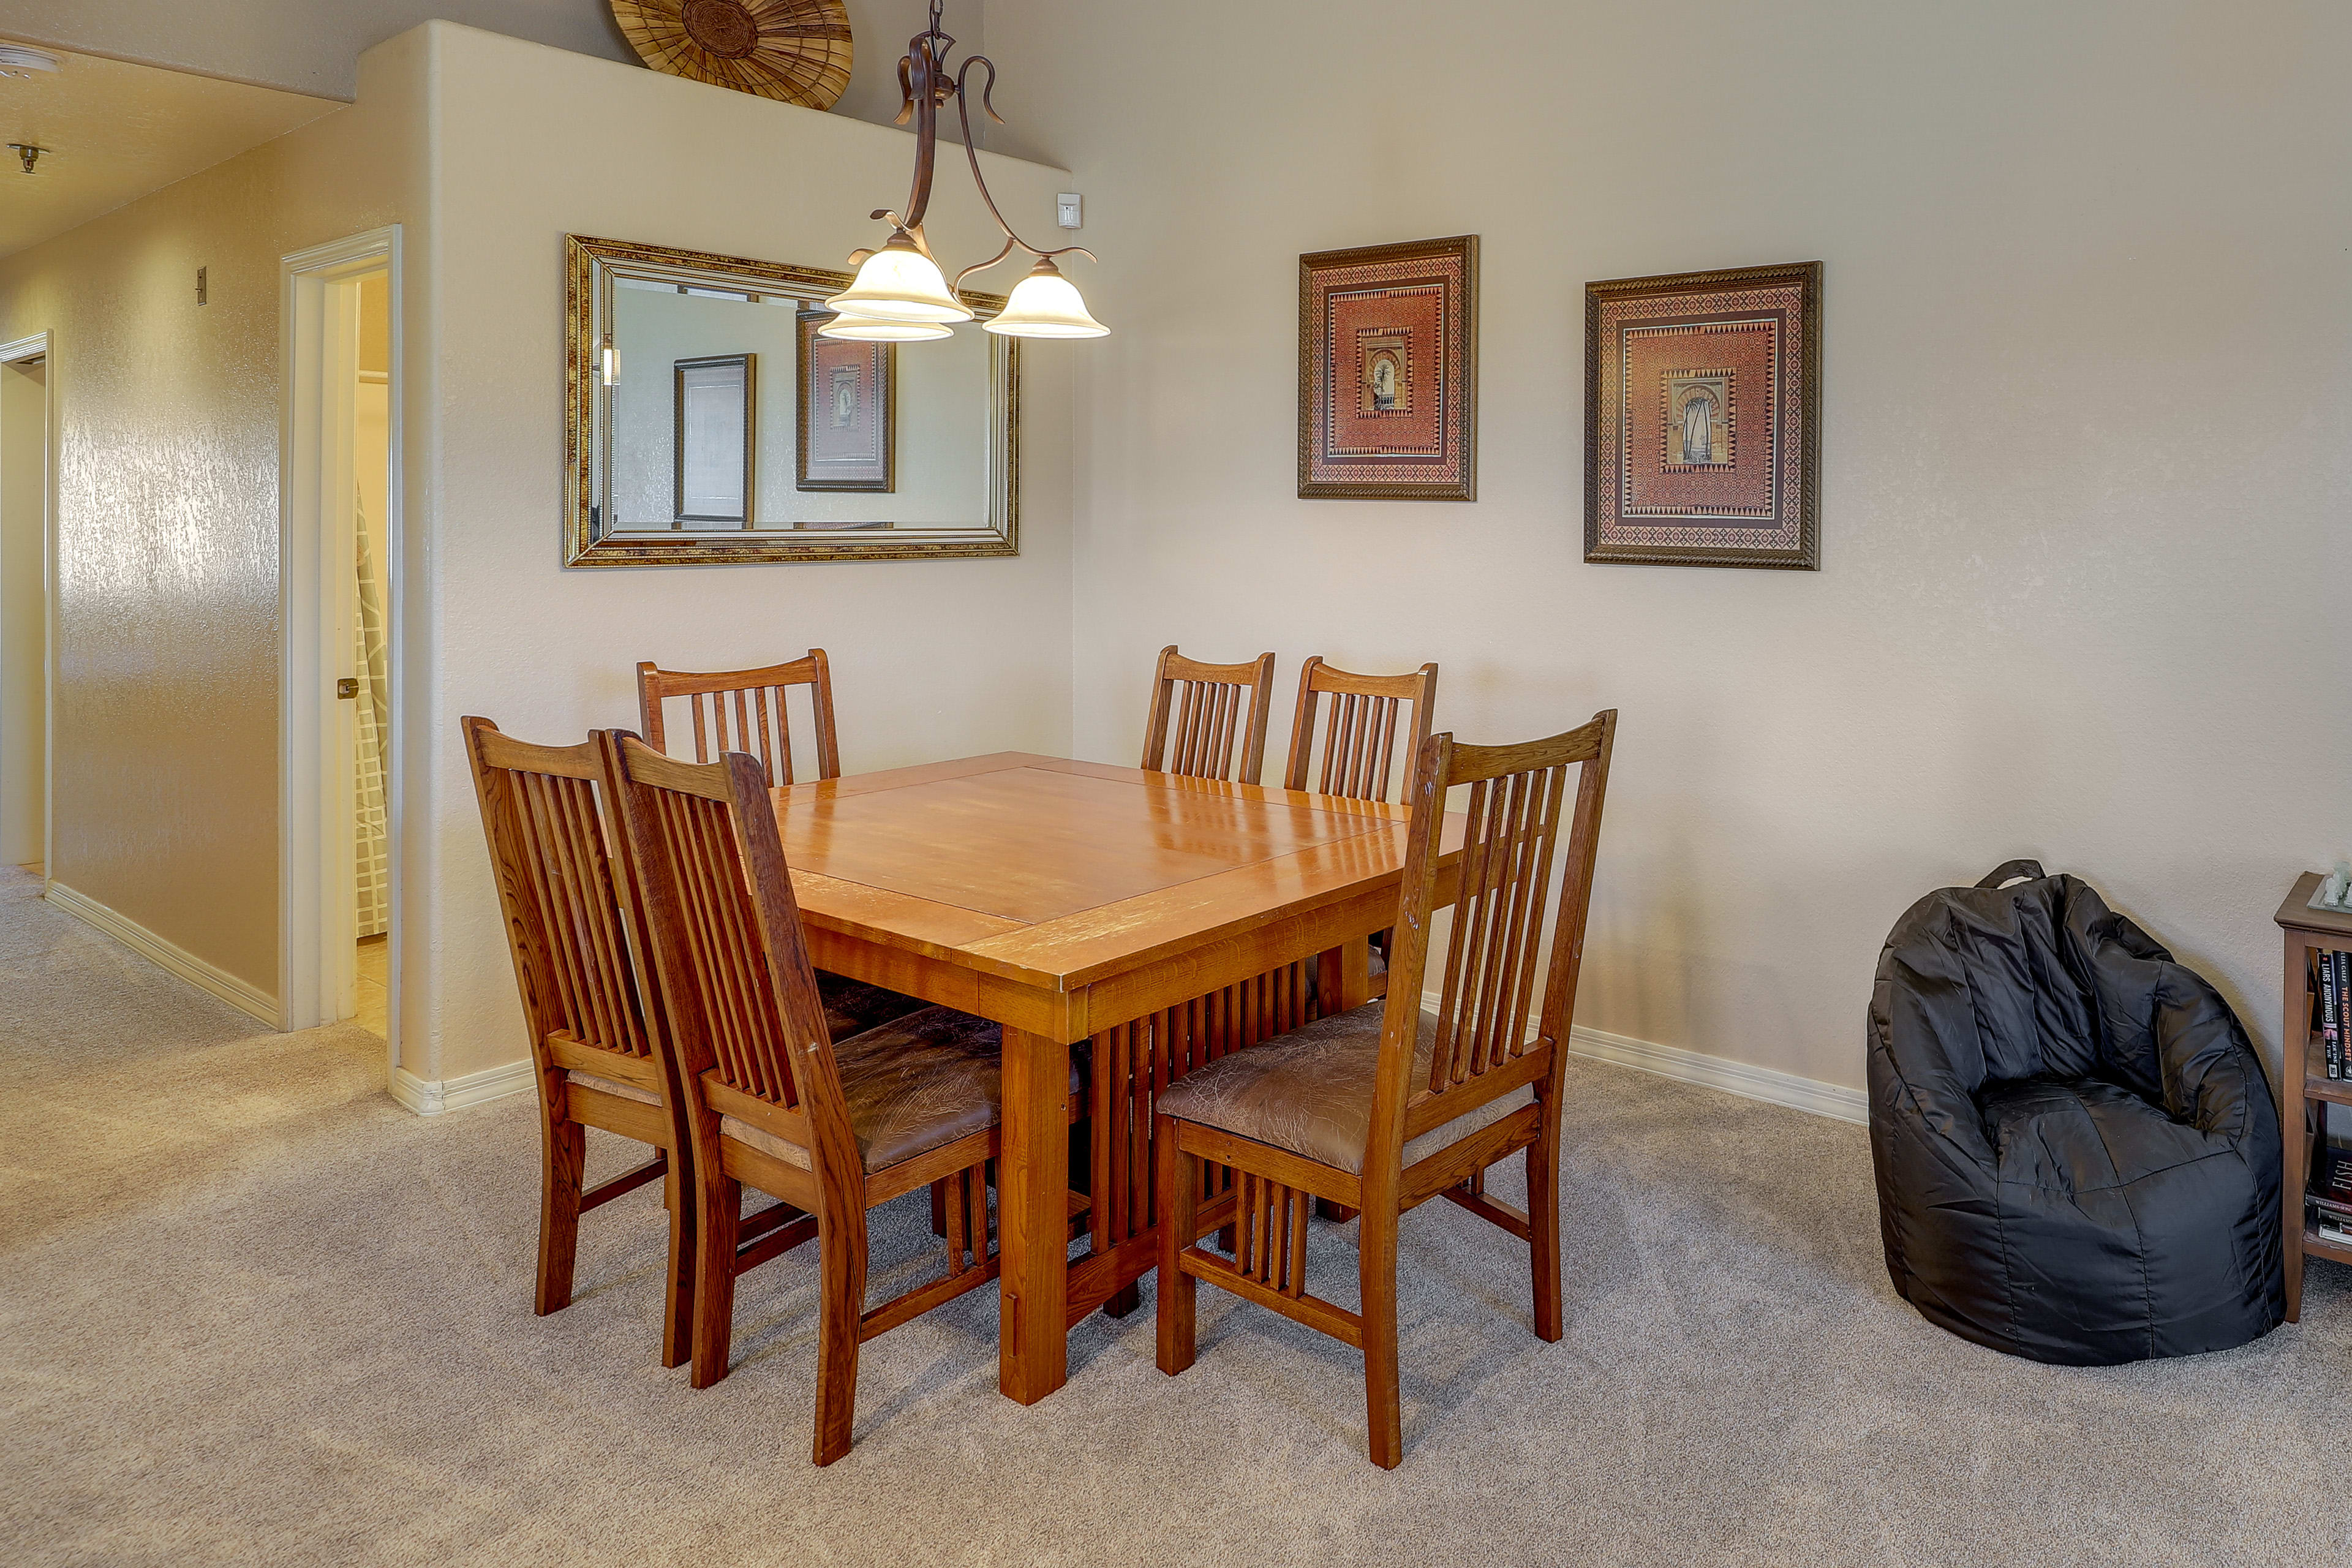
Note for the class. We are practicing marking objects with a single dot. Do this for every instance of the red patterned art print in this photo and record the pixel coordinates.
(1388, 372)
(847, 417)
(1703, 418)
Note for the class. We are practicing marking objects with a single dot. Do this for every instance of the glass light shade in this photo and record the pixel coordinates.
(1046, 305)
(865, 328)
(900, 283)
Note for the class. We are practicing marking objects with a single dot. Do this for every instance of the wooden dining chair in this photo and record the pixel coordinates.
(1208, 721)
(1369, 716)
(1386, 1107)
(744, 711)
(771, 1100)
(1361, 732)
(595, 1031)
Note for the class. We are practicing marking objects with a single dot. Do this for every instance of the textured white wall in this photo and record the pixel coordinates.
(167, 495)
(2086, 467)
(931, 659)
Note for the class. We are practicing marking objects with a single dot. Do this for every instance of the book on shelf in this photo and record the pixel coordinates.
(2342, 1050)
(2331, 1159)
(2332, 991)
(2328, 1198)
(2323, 996)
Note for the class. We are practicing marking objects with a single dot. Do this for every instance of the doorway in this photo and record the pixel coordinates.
(371, 706)
(340, 561)
(25, 605)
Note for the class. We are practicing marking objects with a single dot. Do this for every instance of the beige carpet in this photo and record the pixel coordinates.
(252, 1312)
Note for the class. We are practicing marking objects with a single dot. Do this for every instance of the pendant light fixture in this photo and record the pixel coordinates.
(900, 294)
(1045, 305)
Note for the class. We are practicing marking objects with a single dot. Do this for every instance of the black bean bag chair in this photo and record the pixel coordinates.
(2077, 1151)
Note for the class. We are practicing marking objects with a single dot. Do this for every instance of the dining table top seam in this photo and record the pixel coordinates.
(856, 786)
(1164, 888)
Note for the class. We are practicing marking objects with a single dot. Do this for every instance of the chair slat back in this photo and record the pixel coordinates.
(1498, 947)
(744, 711)
(570, 931)
(1366, 720)
(1208, 721)
(701, 846)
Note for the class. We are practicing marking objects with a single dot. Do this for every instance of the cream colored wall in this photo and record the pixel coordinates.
(931, 659)
(23, 485)
(2086, 462)
(303, 46)
(310, 46)
(167, 495)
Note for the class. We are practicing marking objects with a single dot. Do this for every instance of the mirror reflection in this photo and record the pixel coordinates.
(720, 426)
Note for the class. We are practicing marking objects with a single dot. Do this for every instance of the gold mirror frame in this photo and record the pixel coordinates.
(590, 266)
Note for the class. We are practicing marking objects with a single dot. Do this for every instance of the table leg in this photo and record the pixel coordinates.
(1032, 1177)
(1355, 975)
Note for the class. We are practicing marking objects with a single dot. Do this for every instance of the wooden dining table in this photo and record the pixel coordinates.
(1151, 921)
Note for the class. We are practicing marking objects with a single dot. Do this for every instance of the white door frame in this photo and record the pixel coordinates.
(38, 347)
(317, 921)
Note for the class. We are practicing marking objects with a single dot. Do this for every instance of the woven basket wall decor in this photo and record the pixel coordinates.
(795, 50)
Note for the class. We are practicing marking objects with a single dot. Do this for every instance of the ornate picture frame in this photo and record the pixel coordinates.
(1388, 372)
(845, 431)
(715, 475)
(1703, 418)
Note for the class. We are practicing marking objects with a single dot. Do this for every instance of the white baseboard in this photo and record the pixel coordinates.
(431, 1097)
(1767, 1084)
(239, 993)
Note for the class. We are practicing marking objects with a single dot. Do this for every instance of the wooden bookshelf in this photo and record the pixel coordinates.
(2307, 931)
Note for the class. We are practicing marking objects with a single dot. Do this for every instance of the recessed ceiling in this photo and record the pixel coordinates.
(110, 132)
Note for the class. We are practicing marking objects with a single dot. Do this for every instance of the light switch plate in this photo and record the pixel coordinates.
(1068, 209)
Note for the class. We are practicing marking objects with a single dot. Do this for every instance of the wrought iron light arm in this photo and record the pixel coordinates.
(972, 154)
(925, 84)
(900, 293)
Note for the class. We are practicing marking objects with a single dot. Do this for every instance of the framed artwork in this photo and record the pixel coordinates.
(1388, 372)
(1703, 418)
(847, 429)
(715, 400)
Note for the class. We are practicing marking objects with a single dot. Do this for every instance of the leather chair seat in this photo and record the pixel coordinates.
(911, 1085)
(1310, 1091)
(851, 1007)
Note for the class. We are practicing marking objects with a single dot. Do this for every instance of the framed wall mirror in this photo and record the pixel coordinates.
(707, 422)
